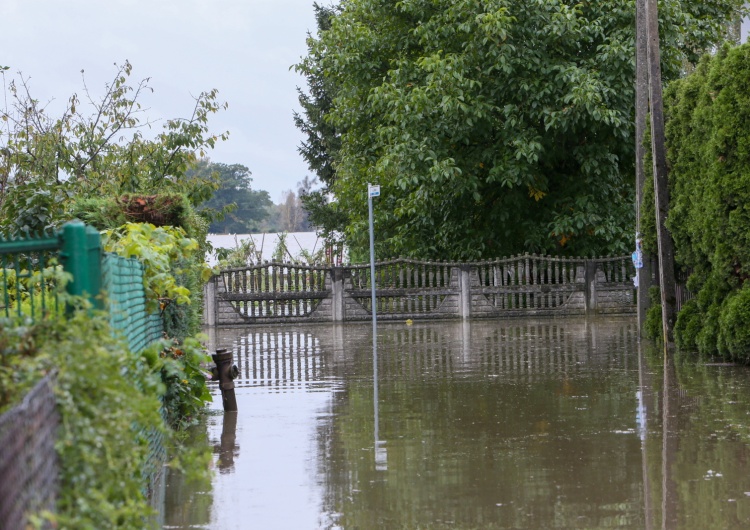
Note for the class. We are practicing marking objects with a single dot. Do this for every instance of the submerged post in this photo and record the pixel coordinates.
(226, 371)
(381, 455)
(372, 191)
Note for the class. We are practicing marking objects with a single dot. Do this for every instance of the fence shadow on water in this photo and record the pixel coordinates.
(306, 356)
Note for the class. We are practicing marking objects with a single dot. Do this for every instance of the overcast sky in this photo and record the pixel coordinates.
(244, 48)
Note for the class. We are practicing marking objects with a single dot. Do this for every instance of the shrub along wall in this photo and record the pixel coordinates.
(112, 394)
(708, 140)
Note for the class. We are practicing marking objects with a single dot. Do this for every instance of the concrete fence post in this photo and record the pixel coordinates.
(590, 269)
(464, 282)
(337, 294)
(209, 302)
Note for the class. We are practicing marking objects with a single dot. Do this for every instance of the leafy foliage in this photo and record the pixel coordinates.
(49, 160)
(179, 364)
(33, 293)
(100, 166)
(708, 119)
(323, 138)
(159, 249)
(109, 402)
(653, 326)
(239, 209)
(492, 127)
(244, 253)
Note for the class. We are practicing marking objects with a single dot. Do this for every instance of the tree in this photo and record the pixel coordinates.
(95, 147)
(239, 208)
(323, 138)
(493, 127)
(708, 119)
(292, 217)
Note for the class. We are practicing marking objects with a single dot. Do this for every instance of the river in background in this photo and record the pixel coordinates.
(477, 425)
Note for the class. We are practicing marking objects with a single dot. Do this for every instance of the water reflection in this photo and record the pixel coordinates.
(490, 425)
(381, 451)
(188, 497)
(280, 360)
(669, 445)
(696, 457)
(513, 424)
(228, 449)
(645, 397)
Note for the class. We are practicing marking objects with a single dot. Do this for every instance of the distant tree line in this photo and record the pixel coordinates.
(244, 210)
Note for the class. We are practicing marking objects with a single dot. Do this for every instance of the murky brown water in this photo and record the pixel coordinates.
(481, 425)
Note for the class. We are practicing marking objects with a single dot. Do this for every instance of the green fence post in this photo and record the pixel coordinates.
(81, 256)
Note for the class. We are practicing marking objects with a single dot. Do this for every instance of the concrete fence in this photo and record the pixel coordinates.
(526, 285)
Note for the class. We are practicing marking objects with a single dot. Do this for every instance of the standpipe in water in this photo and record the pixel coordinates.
(226, 371)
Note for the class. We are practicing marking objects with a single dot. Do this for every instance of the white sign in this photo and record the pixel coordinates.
(373, 191)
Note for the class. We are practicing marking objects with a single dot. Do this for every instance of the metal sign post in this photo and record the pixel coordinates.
(372, 191)
(381, 455)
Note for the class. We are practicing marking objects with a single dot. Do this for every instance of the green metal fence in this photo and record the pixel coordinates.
(31, 272)
(123, 282)
(32, 269)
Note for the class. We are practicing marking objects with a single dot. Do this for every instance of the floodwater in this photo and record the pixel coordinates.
(473, 425)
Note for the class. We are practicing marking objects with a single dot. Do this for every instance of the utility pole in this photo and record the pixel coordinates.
(661, 190)
(643, 274)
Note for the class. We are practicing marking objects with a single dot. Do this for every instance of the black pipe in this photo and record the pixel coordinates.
(227, 371)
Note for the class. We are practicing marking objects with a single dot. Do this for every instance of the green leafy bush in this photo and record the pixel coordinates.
(734, 326)
(653, 325)
(32, 293)
(708, 140)
(165, 251)
(687, 327)
(179, 364)
(109, 402)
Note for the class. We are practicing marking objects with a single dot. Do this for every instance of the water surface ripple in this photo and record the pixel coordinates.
(478, 425)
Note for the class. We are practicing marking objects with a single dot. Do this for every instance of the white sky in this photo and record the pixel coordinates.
(244, 48)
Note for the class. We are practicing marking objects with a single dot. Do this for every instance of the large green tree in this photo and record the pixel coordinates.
(322, 138)
(492, 126)
(241, 209)
(708, 138)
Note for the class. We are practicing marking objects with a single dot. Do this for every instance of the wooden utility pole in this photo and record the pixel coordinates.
(661, 190)
(643, 274)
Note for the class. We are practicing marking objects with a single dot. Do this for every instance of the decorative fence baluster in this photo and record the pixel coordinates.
(550, 287)
(405, 288)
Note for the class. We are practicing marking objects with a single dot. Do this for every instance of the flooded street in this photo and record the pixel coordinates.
(477, 425)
